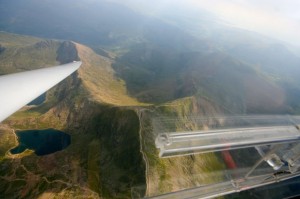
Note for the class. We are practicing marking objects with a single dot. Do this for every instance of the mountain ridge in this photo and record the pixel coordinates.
(99, 130)
(146, 69)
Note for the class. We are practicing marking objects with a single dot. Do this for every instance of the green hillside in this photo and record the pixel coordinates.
(137, 69)
(99, 127)
(112, 149)
(171, 174)
(21, 53)
(154, 75)
(167, 57)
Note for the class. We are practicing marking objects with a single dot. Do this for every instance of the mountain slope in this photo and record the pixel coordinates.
(162, 76)
(99, 163)
(20, 53)
(100, 80)
(160, 59)
(146, 68)
(172, 174)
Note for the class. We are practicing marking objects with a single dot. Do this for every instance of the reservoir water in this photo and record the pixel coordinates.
(43, 142)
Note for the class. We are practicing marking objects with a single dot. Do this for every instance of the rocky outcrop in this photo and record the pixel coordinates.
(44, 44)
(67, 52)
(1, 48)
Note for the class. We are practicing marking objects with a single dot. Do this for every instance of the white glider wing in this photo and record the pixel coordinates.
(17, 90)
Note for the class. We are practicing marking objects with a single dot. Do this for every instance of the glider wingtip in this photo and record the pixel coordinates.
(76, 64)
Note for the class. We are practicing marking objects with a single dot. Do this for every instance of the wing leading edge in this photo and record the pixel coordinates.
(17, 90)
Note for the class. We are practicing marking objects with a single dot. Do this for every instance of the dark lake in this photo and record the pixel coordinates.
(43, 142)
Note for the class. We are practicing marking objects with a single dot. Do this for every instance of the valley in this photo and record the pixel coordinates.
(136, 69)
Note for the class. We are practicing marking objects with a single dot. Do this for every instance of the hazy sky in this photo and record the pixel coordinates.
(277, 18)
